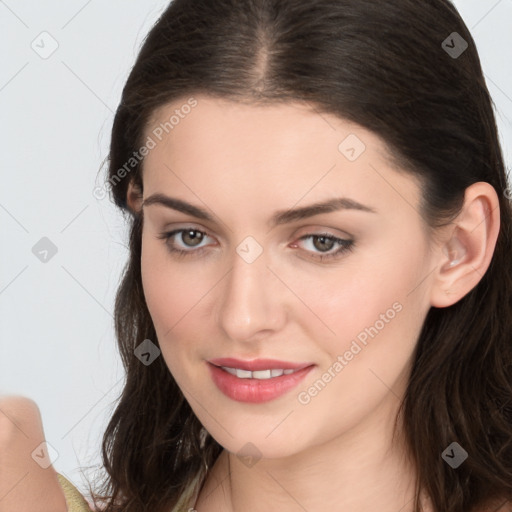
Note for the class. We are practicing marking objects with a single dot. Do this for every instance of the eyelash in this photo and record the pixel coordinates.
(346, 245)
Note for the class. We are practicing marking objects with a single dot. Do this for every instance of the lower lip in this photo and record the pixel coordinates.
(255, 390)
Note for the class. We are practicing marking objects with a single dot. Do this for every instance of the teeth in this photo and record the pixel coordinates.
(242, 374)
(260, 374)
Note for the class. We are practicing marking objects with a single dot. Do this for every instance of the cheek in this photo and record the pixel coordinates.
(175, 300)
(365, 302)
(377, 319)
(170, 291)
(160, 282)
(376, 300)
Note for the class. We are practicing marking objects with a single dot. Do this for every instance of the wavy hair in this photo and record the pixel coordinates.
(384, 66)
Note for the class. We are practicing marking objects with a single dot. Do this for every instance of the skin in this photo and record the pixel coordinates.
(242, 163)
(25, 486)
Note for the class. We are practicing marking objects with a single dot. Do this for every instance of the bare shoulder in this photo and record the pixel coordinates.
(27, 481)
(16, 413)
(499, 505)
(506, 506)
(18, 404)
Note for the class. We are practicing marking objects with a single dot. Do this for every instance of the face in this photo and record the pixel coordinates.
(341, 292)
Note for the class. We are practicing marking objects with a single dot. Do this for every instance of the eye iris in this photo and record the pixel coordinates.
(197, 238)
(330, 242)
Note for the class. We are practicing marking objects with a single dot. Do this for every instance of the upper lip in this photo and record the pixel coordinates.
(258, 364)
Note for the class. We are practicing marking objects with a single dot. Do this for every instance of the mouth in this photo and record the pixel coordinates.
(258, 365)
(260, 374)
(258, 380)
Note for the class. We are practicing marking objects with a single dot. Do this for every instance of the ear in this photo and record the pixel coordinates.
(468, 249)
(134, 197)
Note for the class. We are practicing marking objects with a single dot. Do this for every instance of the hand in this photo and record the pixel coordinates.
(24, 485)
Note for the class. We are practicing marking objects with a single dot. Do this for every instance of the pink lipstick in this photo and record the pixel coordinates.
(256, 381)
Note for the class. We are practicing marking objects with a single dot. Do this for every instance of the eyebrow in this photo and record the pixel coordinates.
(279, 217)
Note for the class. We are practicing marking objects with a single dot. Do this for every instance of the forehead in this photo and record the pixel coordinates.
(210, 119)
(284, 149)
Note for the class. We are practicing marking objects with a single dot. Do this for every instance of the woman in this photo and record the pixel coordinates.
(317, 310)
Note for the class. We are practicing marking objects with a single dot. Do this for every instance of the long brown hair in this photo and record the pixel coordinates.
(392, 68)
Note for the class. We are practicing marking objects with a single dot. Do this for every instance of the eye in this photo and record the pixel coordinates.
(188, 236)
(192, 237)
(325, 242)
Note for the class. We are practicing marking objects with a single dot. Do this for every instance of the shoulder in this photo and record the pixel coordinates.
(77, 503)
(498, 505)
(16, 410)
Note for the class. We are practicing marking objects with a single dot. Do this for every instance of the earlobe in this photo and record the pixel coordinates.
(468, 250)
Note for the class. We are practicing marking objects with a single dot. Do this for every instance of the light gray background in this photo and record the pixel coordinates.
(56, 328)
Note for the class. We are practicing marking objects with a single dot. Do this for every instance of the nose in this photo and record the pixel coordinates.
(253, 302)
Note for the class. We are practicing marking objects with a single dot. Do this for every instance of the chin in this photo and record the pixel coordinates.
(257, 444)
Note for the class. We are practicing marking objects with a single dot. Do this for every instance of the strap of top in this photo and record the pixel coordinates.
(74, 500)
(188, 499)
(77, 503)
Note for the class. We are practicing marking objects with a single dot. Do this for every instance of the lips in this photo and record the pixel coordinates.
(250, 381)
